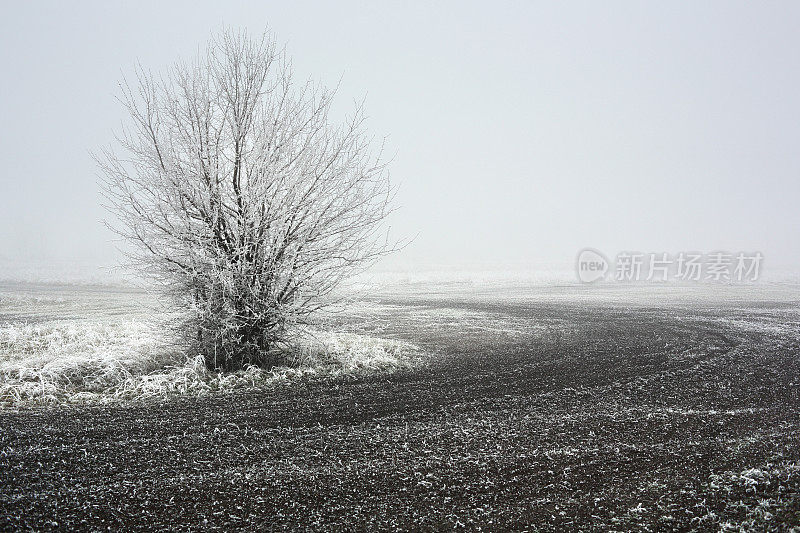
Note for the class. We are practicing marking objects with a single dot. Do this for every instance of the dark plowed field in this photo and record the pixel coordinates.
(548, 416)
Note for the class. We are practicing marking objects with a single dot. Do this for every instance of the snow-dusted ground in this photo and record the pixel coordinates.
(642, 407)
(82, 342)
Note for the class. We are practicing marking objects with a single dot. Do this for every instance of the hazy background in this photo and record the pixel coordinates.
(522, 131)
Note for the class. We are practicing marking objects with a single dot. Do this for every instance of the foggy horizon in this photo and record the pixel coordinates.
(520, 134)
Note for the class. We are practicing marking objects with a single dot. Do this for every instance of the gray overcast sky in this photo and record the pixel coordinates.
(523, 131)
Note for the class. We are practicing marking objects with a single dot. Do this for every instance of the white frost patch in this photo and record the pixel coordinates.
(77, 361)
(781, 326)
(712, 412)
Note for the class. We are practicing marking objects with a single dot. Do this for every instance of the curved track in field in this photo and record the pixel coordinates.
(553, 415)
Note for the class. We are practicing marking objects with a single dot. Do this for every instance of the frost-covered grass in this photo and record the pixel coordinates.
(96, 362)
(85, 347)
(757, 499)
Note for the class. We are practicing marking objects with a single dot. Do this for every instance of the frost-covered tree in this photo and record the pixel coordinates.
(245, 201)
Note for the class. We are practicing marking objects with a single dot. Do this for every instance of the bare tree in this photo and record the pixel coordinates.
(245, 201)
